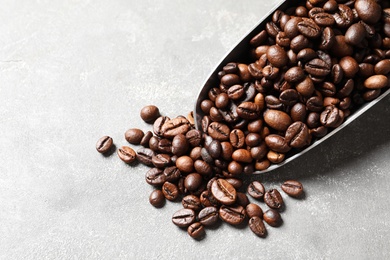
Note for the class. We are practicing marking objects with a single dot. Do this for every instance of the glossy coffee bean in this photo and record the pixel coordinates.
(144, 156)
(191, 202)
(382, 67)
(183, 217)
(175, 126)
(196, 230)
(256, 225)
(256, 190)
(292, 188)
(368, 10)
(218, 131)
(158, 123)
(248, 110)
(104, 144)
(208, 216)
(172, 173)
(150, 113)
(157, 198)
(277, 143)
(272, 217)
(155, 176)
(161, 160)
(277, 56)
(376, 82)
(273, 199)
(330, 116)
(180, 145)
(193, 181)
(297, 135)
(223, 192)
(170, 191)
(277, 119)
(127, 154)
(185, 164)
(253, 210)
(350, 66)
(309, 28)
(355, 34)
(233, 215)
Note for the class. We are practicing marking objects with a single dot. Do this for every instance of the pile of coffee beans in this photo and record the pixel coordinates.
(311, 67)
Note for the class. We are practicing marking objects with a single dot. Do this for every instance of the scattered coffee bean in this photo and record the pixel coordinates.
(150, 113)
(272, 217)
(196, 230)
(292, 188)
(104, 144)
(257, 226)
(157, 198)
(127, 154)
(183, 217)
(273, 199)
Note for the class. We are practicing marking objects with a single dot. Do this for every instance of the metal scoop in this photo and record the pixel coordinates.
(240, 53)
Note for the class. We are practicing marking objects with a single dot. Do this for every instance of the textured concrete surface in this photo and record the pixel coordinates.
(72, 71)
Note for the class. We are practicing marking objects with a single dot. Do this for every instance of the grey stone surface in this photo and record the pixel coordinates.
(72, 71)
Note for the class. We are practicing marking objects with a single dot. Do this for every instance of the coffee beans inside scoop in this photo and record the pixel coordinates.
(311, 67)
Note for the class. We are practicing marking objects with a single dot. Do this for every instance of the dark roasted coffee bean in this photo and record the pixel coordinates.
(340, 47)
(277, 143)
(330, 6)
(194, 137)
(330, 116)
(158, 123)
(297, 135)
(319, 131)
(146, 138)
(237, 138)
(164, 146)
(149, 113)
(306, 55)
(349, 65)
(337, 74)
(273, 199)
(292, 188)
(218, 131)
(208, 216)
(291, 27)
(172, 173)
(298, 112)
(344, 16)
(206, 156)
(305, 87)
(235, 92)
(273, 102)
(259, 152)
(230, 79)
(327, 89)
(231, 67)
(272, 217)
(104, 144)
(180, 145)
(294, 74)
(255, 126)
(202, 168)
(259, 38)
(233, 215)
(309, 28)
(323, 19)
(191, 202)
(382, 67)
(289, 97)
(299, 43)
(327, 39)
(196, 230)
(277, 56)
(255, 70)
(157, 198)
(313, 120)
(127, 154)
(257, 226)
(206, 105)
(215, 114)
(276, 119)
(223, 192)
(134, 135)
(256, 190)
(368, 10)
(253, 139)
(153, 143)
(236, 183)
(355, 34)
(155, 176)
(270, 72)
(272, 29)
(371, 94)
(222, 100)
(215, 149)
(248, 110)
(242, 199)
(242, 156)
(170, 191)
(183, 217)
(346, 89)
(161, 160)
(253, 210)
(315, 104)
(317, 67)
(185, 164)
(282, 39)
(193, 181)
(314, 11)
(226, 150)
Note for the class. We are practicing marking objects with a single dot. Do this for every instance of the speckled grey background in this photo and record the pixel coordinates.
(72, 71)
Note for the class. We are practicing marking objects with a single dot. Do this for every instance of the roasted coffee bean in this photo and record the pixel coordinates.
(180, 145)
(248, 110)
(309, 28)
(270, 72)
(196, 230)
(368, 10)
(226, 150)
(349, 65)
(276, 119)
(327, 39)
(191, 202)
(233, 215)
(242, 156)
(289, 97)
(291, 27)
(236, 183)
(237, 138)
(183, 217)
(104, 144)
(172, 173)
(231, 67)
(170, 191)
(206, 105)
(242, 199)
(157, 198)
(164, 145)
(259, 38)
(218, 131)
(272, 29)
(277, 56)
(344, 16)
(127, 154)
(371, 94)
(330, 6)
(155, 176)
(235, 92)
(230, 79)
(253, 210)
(382, 67)
(194, 137)
(150, 113)
(153, 143)
(340, 47)
(315, 104)
(193, 181)
(320, 131)
(277, 143)
(298, 112)
(134, 135)
(294, 74)
(282, 39)
(292, 188)
(223, 192)
(208, 216)
(256, 190)
(376, 82)
(146, 138)
(202, 168)
(317, 67)
(273, 102)
(299, 43)
(215, 149)
(253, 139)
(305, 87)
(206, 156)
(175, 126)
(273, 199)
(158, 123)
(330, 116)
(222, 100)
(355, 34)
(323, 19)
(297, 135)
(272, 217)
(257, 226)
(185, 164)
(306, 55)
(313, 120)
(161, 160)
(346, 89)
(275, 157)
(337, 74)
